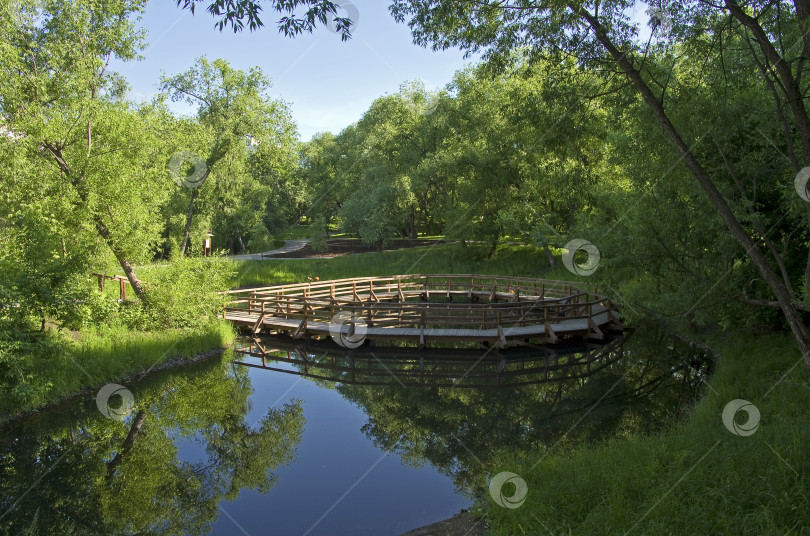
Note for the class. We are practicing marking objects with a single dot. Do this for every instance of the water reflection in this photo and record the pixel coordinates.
(193, 445)
(520, 402)
(74, 471)
(408, 367)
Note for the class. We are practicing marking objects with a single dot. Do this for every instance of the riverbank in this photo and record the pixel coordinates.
(702, 476)
(76, 363)
(461, 524)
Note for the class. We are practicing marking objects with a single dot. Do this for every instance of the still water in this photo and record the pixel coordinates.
(305, 438)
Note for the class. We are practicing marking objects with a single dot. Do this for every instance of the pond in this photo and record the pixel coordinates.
(307, 438)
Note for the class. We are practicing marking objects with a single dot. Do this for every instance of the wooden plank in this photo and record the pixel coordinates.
(257, 326)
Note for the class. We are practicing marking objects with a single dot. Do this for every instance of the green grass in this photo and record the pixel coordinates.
(691, 478)
(524, 261)
(296, 232)
(98, 355)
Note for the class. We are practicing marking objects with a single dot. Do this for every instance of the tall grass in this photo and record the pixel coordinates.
(693, 478)
(86, 360)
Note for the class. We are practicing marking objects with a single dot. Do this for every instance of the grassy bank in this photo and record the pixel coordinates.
(447, 258)
(74, 362)
(692, 478)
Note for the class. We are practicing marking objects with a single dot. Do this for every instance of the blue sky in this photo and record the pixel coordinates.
(327, 82)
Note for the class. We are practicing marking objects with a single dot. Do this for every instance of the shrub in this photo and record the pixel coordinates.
(181, 294)
(318, 235)
(260, 239)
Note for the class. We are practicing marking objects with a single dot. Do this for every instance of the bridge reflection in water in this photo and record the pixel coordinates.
(434, 367)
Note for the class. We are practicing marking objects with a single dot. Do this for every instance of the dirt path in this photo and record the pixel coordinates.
(288, 247)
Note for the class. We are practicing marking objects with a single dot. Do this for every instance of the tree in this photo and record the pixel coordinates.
(235, 111)
(600, 34)
(238, 12)
(91, 152)
(696, 35)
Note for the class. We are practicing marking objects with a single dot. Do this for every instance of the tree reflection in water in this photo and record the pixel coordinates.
(73, 471)
(457, 409)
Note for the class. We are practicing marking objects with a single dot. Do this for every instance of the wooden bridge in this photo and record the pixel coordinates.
(492, 310)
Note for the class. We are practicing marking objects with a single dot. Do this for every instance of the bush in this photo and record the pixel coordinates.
(318, 235)
(260, 239)
(181, 294)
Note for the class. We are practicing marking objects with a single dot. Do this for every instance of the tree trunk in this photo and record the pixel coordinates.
(552, 262)
(412, 225)
(103, 231)
(777, 286)
(493, 247)
(194, 195)
(241, 244)
(121, 257)
(134, 430)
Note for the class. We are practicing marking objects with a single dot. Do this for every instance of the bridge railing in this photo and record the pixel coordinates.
(430, 283)
(380, 301)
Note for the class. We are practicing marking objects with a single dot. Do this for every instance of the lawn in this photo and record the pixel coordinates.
(526, 261)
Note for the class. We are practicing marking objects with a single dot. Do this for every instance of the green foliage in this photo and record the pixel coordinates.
(240, 12)
(448, 258)
(317, 230)
(183, 293)
(249, 146)
(261, 239)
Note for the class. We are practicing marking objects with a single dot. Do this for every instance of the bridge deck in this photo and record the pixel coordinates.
(496, 312)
